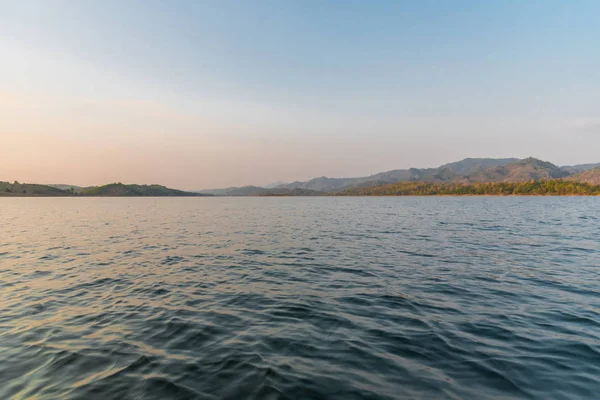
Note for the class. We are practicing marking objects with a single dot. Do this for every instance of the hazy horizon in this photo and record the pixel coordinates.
(279, 182)
(196, 95)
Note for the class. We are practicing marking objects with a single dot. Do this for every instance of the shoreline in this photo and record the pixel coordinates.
(321, 196)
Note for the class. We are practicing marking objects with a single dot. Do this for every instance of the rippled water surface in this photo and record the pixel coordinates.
(300, 298)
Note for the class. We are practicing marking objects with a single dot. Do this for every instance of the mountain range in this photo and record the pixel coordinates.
(469, 170)
(466, 176)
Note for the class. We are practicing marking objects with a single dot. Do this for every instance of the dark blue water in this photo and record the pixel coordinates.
(300, 298)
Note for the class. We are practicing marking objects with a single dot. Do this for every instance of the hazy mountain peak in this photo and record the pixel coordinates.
(537, 162)
(274, 184)
(469, 164)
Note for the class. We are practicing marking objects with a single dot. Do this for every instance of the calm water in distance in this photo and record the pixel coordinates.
(300, 298)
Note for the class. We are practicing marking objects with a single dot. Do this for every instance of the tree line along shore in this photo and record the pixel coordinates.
(556, 187)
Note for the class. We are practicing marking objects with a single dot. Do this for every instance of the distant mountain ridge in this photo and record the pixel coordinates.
(468, 170)
(261, 191)
(573, 169)
(591, 176)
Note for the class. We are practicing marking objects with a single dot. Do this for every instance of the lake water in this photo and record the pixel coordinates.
(300, 298)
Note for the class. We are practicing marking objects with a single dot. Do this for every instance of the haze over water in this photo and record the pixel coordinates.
(294, 298)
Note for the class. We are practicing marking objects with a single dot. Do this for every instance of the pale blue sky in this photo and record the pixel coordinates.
(195, 94)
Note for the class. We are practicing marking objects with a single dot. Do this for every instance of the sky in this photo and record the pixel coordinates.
(202, 94)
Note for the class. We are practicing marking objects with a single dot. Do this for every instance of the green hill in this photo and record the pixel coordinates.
(119, 189)
(113, 189)
(30, 189)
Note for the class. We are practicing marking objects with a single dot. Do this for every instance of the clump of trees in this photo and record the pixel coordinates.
(530, 188)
